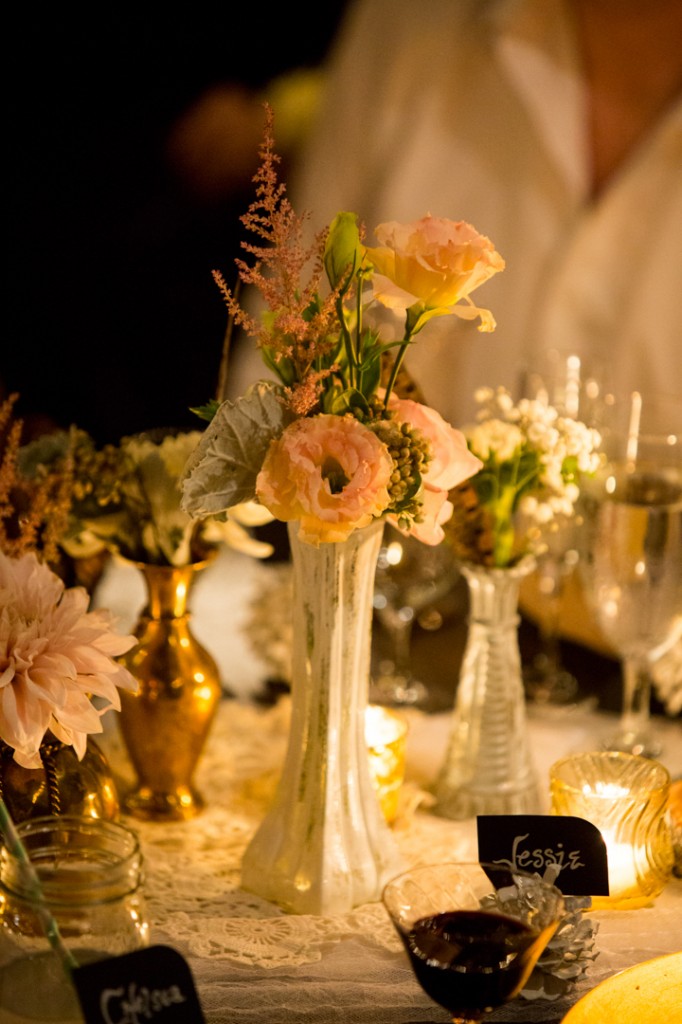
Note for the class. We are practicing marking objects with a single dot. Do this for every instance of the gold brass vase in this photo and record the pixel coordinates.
(63, 785)
(165, 724)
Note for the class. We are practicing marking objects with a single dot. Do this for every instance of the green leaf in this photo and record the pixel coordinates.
(222, 470)
(346, 401)
(207, 411)
(569, 469)
(45, 453)
(312, 309)
(282, 367)
(370, 376)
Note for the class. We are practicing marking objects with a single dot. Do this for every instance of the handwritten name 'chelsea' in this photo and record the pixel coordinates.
(139, 1004)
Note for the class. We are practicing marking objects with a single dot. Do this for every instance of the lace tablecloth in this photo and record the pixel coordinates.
(252, 962)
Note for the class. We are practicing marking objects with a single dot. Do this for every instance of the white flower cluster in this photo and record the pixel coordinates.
(561, 448)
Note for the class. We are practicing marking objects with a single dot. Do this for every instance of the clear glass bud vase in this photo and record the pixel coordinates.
(324, 846)
(488, 767)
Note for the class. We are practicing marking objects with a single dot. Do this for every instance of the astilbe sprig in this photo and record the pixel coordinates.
(298, 333)
(33, 512)
(10, 441)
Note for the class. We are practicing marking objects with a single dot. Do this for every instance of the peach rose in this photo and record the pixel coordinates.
(451, 463)
(432, 265)
(329, 472)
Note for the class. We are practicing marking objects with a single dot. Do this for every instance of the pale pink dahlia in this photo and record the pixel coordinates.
(54, 656)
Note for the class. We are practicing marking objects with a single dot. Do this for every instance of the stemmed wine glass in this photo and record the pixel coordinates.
(632, 542)
(574, 387)
(410, 578)
(473, 932)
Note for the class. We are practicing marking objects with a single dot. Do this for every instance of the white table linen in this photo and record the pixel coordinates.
(252, 962)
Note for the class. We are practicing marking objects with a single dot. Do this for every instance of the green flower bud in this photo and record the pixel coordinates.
(342, 251)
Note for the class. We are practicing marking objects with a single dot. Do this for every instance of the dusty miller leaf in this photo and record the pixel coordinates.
(222, 470)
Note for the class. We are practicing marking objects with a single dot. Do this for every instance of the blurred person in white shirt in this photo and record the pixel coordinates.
(555, 128)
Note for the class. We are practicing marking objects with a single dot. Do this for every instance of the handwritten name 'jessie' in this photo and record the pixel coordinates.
(525, 858)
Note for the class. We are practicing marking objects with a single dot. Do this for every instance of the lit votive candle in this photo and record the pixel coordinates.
(625, 797)
(386, 737)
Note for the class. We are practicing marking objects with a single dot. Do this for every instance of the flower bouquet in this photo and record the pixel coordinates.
(328, 445)
(126, 498)
(533, 461)
(58, 667)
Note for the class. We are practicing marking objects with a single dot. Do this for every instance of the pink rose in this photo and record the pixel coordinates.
(329, 472)
(433, 264)
(436, 510)
(451, 463)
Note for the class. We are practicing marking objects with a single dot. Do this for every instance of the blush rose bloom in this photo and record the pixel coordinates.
(54, 655)
(451, 463)
(430, 267)
(330, 473)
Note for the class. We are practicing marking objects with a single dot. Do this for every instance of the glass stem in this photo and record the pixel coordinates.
(636, 696)
(549, 632)
(401, 642)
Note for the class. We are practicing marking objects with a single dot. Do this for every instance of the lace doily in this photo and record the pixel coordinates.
(237, 778)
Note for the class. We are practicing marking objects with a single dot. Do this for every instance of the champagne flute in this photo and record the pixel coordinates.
(633, 551)
(473, 932)
(410, 578)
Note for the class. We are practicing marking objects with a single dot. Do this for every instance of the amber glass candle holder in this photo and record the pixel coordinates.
(386, 738)
(625, 797)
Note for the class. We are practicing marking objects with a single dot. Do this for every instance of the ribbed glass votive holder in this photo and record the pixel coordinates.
(625, 797)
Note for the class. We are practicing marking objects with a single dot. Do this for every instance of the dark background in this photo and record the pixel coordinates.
(114, 321)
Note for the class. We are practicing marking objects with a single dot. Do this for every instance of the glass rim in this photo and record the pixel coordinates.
(590, 757)
(437, 865)
(107, 867)
(46, 823)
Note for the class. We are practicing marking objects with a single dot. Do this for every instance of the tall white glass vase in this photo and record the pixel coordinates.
(488, 767)
(324, 846)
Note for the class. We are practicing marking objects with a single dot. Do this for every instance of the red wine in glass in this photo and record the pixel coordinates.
(473, 931)
(470, 961)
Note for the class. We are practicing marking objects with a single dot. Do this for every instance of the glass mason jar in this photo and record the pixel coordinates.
(90, 875)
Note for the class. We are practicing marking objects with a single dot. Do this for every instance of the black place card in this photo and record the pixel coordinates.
(538, 842)
(151, 985)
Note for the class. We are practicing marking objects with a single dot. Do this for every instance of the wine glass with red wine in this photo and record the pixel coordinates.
(473, 932)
